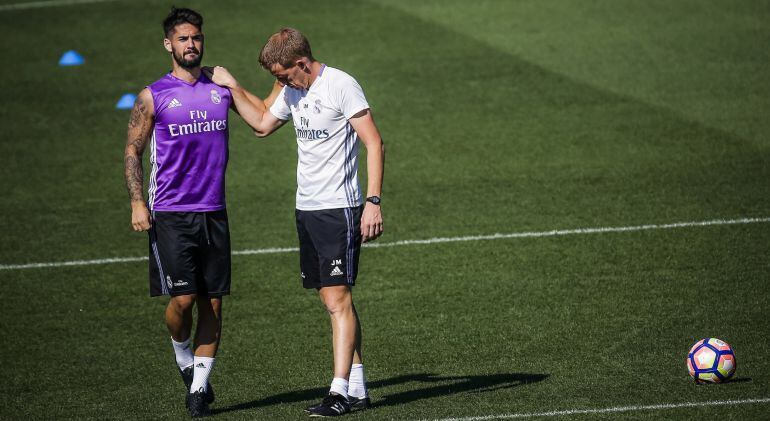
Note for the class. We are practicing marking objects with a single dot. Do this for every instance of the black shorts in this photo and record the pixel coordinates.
(190, 253)
(329, 246)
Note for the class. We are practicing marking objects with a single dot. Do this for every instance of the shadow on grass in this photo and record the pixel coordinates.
(731, 381)
(431, 386)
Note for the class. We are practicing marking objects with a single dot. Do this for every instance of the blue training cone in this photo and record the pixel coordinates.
(126, 102)
(71, 58)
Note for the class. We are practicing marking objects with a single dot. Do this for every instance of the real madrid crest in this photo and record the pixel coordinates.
(215, 98)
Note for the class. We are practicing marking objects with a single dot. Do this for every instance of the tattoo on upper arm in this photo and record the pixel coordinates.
(139, 126)
(136, 114)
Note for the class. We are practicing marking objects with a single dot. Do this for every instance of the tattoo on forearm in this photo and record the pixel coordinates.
(134, 177)
(139, 127)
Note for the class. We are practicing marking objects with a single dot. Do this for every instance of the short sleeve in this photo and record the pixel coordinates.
(280, 108)
(351, 98)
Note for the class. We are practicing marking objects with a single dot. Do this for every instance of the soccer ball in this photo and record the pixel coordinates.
(711, 360)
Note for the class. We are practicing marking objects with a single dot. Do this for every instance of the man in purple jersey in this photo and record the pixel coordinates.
(184, 116)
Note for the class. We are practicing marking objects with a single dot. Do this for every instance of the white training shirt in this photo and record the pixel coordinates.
(327, 145)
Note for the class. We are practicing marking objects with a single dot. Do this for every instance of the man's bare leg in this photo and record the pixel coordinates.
(179, 317)
(338, 301)
(207, 334)
(179, 323)
(357, 356)
(358, 394)
(209, 329)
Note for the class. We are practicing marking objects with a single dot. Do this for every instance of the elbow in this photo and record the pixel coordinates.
(263, 130)
(378, 146)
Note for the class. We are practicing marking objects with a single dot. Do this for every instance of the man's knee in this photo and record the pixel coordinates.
(337, 299)
(210, 308)
(182, 303)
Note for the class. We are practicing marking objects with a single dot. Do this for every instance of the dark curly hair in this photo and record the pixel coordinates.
(179, 16)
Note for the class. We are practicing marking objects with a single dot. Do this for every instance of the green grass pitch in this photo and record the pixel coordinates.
(499, 117)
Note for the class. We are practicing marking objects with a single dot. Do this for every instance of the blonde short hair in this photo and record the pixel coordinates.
(284, 47)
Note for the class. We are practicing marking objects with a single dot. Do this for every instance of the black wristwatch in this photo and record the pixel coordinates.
(375, 200)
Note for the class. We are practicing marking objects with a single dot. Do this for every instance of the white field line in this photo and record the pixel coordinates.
(634, 408)
(50, 3)
(555, 233)
(436, 240)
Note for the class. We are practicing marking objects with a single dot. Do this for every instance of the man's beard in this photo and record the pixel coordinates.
(188, 64)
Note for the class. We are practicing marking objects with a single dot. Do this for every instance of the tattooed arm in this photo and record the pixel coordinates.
(139, 129)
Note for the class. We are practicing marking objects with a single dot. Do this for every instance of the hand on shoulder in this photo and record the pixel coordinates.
(221, 76)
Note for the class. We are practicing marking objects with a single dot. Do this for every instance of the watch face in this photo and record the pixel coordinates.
(374, 199)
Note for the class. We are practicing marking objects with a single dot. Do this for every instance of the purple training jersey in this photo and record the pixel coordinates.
(189, 145)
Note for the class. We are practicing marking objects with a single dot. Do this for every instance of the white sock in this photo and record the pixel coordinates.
(203, 366)
(184, 354)
(357, 384)
(340, 387)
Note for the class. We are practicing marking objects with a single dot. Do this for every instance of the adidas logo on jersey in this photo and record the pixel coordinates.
(174, 103)
(336, 271)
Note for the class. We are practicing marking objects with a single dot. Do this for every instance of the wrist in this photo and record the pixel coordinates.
(138, 203)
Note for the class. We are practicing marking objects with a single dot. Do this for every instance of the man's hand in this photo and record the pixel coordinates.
(140, 216)
(220, 76)
(371, 222)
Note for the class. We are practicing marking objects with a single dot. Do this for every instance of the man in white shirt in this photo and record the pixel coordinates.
(330, 114)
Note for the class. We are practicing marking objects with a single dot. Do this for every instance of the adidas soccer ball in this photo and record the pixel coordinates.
(711, 360)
